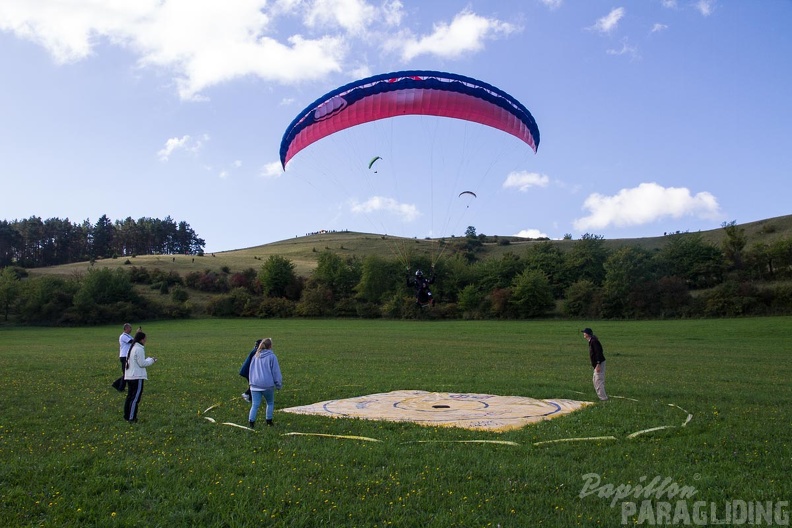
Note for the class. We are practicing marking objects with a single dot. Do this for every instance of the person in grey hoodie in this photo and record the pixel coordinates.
(264, 377)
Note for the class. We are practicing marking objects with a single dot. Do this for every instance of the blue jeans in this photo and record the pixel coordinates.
(269, 396)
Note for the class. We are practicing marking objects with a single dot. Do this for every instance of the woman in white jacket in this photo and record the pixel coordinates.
(265, 377)
(135, 374)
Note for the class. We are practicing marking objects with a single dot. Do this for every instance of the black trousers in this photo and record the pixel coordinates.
(120, 383)
(134, 393)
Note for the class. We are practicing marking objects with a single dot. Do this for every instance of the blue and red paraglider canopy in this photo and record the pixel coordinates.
(408, 93)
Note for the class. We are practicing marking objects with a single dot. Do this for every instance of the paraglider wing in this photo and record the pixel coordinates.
(408, 93)
(373, 160)
(468, 192)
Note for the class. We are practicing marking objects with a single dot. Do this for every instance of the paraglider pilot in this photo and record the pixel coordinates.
(423, 295)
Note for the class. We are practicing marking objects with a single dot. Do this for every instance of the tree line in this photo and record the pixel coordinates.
(687, 278)
(33, 242)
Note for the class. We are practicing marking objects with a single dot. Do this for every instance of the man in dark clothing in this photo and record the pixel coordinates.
(597, 362)
(423, 295)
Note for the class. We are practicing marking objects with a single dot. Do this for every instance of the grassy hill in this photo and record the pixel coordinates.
(303, 250)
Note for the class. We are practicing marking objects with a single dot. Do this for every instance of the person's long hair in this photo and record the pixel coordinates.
(139, 336)
(266, 344)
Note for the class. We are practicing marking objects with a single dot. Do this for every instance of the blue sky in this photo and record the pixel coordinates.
(655, 115)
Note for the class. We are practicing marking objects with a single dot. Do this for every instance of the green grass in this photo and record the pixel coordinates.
(69, 459)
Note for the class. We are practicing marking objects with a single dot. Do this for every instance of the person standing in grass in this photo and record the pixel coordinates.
(135, 374)
(597, 363)
(124, 343)
(264, 377)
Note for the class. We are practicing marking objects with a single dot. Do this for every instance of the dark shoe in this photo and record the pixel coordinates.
(251, 424)
(269, 422)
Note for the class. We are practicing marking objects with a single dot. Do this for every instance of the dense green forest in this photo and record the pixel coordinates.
(32, 243)
(688, 276)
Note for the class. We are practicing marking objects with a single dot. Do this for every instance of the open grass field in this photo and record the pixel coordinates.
(69, 459)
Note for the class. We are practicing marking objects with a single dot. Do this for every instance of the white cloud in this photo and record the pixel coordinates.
(351, 15)
(171, 145)
(237, 164)
(465, 34)
(609, 22)
(645, 204)
(69, 30)
(408, 212)
(271, 170)
(657, 28)
(626, 49)
(223, 174)
(553, 4)
(360, 71)
(531, 233)
(705, 7)
(525, 180)
(393, 13)
(201, 43)
(186, 143)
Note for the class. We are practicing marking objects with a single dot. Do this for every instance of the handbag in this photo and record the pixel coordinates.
(244, 370)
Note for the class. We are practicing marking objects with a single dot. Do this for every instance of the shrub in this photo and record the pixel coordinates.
(316, 301)
(780, 299)
(470, 302)
(582, 300)
(276, 307)
(177, 311)
(105, 295)
(368, 310)
(731, 299)
(346, 307)
(179, 295)
(531, 294)
(139, 275)
(399, 306)
(238, 302)
(44, 300)
(769, 228)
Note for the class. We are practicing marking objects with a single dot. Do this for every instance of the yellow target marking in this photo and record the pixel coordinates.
(237, 425)
(484, 412)
(588, 438)
(501, 442)
(345, 437)
(210, 408)
(638, 433)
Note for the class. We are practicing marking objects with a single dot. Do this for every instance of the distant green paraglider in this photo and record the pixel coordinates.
(374, 160)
